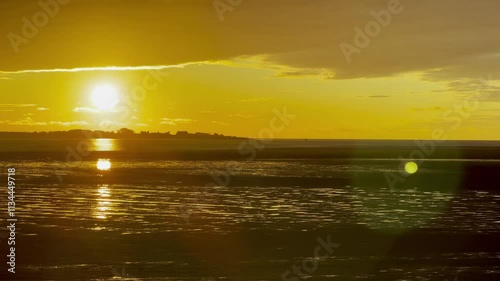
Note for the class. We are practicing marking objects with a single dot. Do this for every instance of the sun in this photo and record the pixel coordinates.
(105, 97)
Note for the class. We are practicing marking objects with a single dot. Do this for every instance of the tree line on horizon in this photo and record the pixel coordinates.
(121, 133)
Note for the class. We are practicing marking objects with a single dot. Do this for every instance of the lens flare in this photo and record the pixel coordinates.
(411, 167)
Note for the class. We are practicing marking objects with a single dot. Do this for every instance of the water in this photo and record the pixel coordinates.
(158, 218)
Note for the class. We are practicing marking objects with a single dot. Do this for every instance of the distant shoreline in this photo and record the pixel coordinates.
(125, 133)
(129, 134)
(120, 134)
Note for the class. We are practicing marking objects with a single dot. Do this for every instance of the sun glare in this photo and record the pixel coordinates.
(105, 97)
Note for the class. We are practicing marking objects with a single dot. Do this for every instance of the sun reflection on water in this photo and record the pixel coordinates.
(104, 164)
(104, 144)
(104, 206)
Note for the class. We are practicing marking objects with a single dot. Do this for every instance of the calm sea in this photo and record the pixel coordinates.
(167, 211)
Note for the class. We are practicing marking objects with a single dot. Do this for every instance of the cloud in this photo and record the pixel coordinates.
(256, 99)
(85, 110)
(175, 121)
(375, 96)
(428, 35)
(301, 73)
(28, 121)
(435, 108)
(220, 123)
(15, 105)
(104, 68)
(482, 85)
(243, 115)
(67, 124)
(115, 124)
(42, 109)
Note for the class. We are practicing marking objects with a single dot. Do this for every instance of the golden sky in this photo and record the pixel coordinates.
(198, 66)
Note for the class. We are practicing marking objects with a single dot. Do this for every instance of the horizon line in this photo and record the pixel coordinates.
(243, 137)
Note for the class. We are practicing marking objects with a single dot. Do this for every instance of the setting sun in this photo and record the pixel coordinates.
(105, 97)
